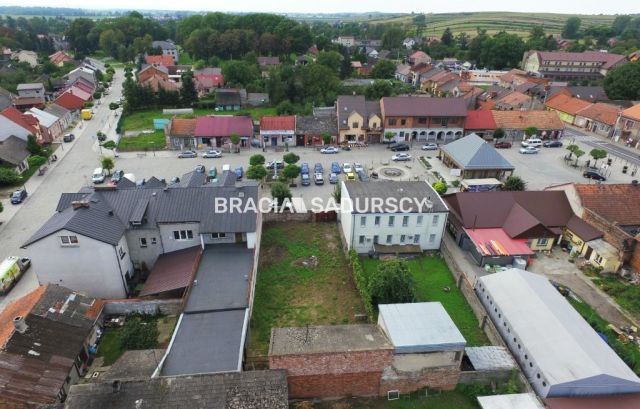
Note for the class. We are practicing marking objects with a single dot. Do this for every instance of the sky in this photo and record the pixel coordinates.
(338, 6)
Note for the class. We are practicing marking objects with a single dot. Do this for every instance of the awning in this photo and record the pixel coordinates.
(172, 271)
(495, 242)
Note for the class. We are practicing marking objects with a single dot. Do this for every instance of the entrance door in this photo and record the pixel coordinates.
(238, 237)
(274, 141)
(587, 255)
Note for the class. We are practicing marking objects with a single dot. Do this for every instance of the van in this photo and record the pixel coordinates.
(98, 175)
(535, 142)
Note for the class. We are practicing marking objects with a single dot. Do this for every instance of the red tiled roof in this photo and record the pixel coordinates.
(59, 57)
(633, 112)
(601, 112)
(480, 120)
(172, 271)
(418, 54)
(543, 120)
(70, 101)
(80, 93)
(28, 122)
(608, 59)
(278, 123)
(617, 203)
(164, 60)
(515, 99)
(183, 127)
(210, 80)
(565, 103)
(156, 82)
(223, 126)
(21, 307)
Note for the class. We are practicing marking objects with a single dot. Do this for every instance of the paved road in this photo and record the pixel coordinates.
(616, 150)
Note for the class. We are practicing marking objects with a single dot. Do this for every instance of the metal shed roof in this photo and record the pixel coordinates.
(512, 401)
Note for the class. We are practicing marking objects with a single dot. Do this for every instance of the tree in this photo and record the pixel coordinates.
(113, 106)
(572, 149)
(379, 89)
(388, 136)
(235, 139)
(1, 207)
(392, 37)
(383, 69)
(291, 172)
(107, 163)
(239, 73)
(330, 59)
(514, 184)
(531, 131)
(623, 82)
(256, 172)
(280, 192)
(101, 137)
(256, 160)
(33, 146)
(35, 161)
(285, 108)
(598, 154)
(440, 187)
(9, 177)
(462, 39)
(78, 36)
(392, 283)
(447, 37)
(578, 153)
(291, 158)
(188, 93)
(571, 28)
(498, 133)
(337, 193)
(109, 145)
(326, 138)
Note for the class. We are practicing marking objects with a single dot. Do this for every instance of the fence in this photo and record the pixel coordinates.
(133, 306)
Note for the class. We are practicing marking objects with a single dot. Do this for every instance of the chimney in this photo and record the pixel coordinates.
(78, 204)
(19, 324)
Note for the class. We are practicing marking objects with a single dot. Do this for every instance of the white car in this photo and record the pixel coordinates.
(430, 147)
(534, 142)
(346, 167)
(357, 167)
(329, 149)
(529, 150)
(400, 157)
(213, 153)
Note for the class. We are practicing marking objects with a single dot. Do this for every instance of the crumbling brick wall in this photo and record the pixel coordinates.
(443, 378)
(613, 234)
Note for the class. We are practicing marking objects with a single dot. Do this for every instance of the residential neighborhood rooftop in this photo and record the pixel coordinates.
(417, 191)
(473, 152)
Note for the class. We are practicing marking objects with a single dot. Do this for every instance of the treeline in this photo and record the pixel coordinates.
(22, 33)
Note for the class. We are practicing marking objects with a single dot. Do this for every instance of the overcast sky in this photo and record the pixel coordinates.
(336, 6)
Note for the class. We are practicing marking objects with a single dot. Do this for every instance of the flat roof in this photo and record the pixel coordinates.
(207, 342)
(488, 358)
(327, 338)
(420, 327)
(512, 401)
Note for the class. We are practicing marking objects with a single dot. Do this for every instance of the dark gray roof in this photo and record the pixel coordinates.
(347, 104)
(6, 99)
(57, 110)
(245, 390)
(63, 305)
(314, 125)
(473, 152)
(361, 194)
(424, 106)
(192, 179)
(227, 97)
(165, 45)
(13, 150)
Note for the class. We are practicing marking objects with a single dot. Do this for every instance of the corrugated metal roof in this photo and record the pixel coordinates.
(172, 271)
(511, 401)
(490, 358)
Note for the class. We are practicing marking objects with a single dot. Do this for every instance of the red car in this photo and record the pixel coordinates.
(502, 145)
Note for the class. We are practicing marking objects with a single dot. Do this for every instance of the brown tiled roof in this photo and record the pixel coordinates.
(542, 120)
(516, 99)
(278, 123)
(601, 112)
(423, 106)
(172, 271)
(608, 59)
(479, 120)
(20, 307)
(165, 60)
(633, 112)
(617, 203)
(566, 103)
(509, 76)
(183, 127)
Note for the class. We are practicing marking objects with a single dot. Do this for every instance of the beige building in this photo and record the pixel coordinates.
(359, 120)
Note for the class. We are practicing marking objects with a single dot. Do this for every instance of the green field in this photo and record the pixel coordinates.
(138, 121)
(433, 278)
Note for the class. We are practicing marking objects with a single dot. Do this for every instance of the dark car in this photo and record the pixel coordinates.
(552, 144)
(200, 169)
(239, 172)
(18, 196)
(593, 174)
(399, 147)
(317, 168)
(68, 137)
(502, 145)
(117, 176)
(362, 175)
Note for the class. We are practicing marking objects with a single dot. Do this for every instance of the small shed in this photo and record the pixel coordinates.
(511, 401)
(475, 158)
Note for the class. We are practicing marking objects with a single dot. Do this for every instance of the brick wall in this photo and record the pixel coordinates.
(334, 385)
(444, 378)
(332, 363)
(613, 234)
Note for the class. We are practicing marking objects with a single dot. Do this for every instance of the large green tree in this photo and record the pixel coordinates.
(392, 37)
(392, 283)
(188, 93)
(571, 27)
(384, 69)
(514, 184)
(78, 36)
(239, 73)
(623, 82)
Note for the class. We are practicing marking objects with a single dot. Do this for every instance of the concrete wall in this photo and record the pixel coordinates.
(346, 218)
(287, 217)
(147, 255)
(170, 244)
(444, 378)
(90, 267)
(228, 238)
(141, 306)
(417, 362)
(485, 377)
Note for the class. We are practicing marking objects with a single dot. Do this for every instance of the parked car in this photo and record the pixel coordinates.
(335, 168)
(305, 180)
(593, 174)
(304, 168)
(239, 172)
(333, 178)
(374, 175)
(213, 153)
(68, 137)
(400, 147)
(188, 154)
(200, 169)
(117, 176)
(275, 164)
(552, 144)
(317, 168)
(18, 196)
(357, 167)
(535, 142)
(529, 150)
(11, 270)
(329, 149)
(346, 167)
(346, 147)
(362, 175)
(502, 145)
(430, 147)
(401, 157)
(98, 175)
(318, 179)
(350, 175)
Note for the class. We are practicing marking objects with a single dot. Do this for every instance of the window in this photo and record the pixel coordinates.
(218, 235)
(416, 239)
(122, 253)
(361, 240)
(377, 221)
(388, 239)
(393, 121)
(422, 120)
(392, 219)
(419, 221)
(143, 242)
(542, 242)
(363, 221)
(435, 220)
(183, 234)
(355, 125)
(458, 355)
(444, 121)
(405, 221)
(402, 238)
(432, 238)
(598, 259)
(153, 240)
(69, 240)
(403, 122)
(375, 239)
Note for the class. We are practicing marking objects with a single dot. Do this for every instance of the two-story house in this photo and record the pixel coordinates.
(392, 217)
(628, 126)
(168, 48)
(359, 120)
(424, 119)
(567, 66)
(100, 238)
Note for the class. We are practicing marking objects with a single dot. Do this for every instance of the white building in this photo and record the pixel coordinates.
(99, 239)
(168, 47)
(416, 224)
(558, 351)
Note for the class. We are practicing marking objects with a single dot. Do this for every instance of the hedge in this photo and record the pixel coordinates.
(360, 279)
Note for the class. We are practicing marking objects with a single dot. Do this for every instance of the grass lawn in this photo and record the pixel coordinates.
(432, 275)
(109, 347)
(626, 295)
(144, 119)
(185, 58)
(289, 293)
(155, 140)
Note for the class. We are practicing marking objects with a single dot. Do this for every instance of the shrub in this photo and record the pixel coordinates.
(280, 192)
(97, 95)
(291, 158)
(109, 145)
(256, 160)
(33, 146)
(440, 187)
(35, 161)
(9, 177)
(88, 104)
(139, 333)
(113, 106)
(360, 279)
(392, 282)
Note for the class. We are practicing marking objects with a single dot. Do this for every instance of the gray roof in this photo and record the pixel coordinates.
(209, 71)
(347, 104)
(6, 98)
(314, 125)
(568, 353)
(34, 85)
(57, 110)
(424, 106)
(165, 45)
(327, 339)
(490, 358)
(110, 210)
(13, 150)
(473, 152)
(138, 364)
(245, 390)
(421, 193)
(63, 305)
(420, 327)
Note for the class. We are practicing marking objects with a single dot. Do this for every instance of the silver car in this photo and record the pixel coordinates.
(213, 153)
